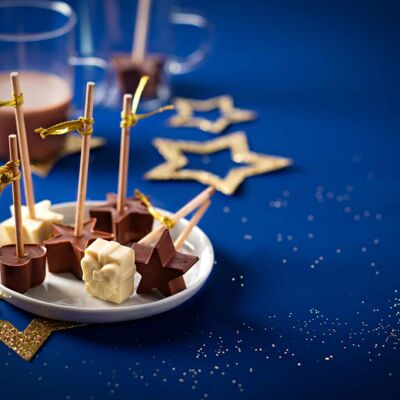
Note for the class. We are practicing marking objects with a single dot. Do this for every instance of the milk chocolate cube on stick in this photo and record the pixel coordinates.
(22, 273)
(21, 266)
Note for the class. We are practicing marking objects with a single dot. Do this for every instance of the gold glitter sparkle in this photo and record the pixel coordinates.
(173, 152)
(228, 114)
(27, 343)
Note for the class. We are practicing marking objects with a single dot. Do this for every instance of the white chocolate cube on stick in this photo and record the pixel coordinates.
(108, 270)
(34, 230)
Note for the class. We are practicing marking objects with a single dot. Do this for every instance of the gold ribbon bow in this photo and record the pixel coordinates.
(68, 126)
(7, 175)
(14, 102)
(132, 118)
(163, 219)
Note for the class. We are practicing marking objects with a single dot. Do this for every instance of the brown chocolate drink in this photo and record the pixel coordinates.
(130, 71)
(47, 100)
(22, 273)
(162, 267)
(129, 226)
(65, 250)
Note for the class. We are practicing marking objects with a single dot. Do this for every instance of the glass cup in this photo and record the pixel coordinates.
(37, 40)
(106, 29)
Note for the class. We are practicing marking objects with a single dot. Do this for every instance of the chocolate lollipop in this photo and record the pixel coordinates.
(127, 218)
(131, 67)
(36, 218)
(66, 248)
(162, 266)
(21, 266)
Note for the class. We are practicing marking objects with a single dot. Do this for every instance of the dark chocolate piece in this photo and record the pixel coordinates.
(65, 250)
(161, 266)
(134, 223)
(22, 273)
(129, 73)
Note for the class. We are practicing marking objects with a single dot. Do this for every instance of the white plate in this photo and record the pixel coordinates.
(63, 297)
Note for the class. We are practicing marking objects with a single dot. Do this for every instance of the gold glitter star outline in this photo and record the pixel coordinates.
(28, 342)
(173, 152)
(228, 114)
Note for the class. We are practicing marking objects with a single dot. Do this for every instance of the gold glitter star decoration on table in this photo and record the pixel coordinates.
(228, 114)
(173, 169)
(27, 343)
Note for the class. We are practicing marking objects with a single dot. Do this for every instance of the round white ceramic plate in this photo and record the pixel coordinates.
(63, 297)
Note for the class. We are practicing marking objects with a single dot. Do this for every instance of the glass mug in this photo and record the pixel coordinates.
(107, 27)
(37, 40)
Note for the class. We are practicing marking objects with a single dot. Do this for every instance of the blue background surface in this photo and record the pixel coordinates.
(303, 301)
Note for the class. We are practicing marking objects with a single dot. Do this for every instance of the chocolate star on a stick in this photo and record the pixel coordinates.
(65, 250)
(128, 218)
(161, 266)
(129, 225)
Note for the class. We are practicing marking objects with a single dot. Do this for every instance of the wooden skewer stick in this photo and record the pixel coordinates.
(23, 147)
(124, 156)
(84, 164)
(179, 242)
(141, 31)
(16, 190)
(181, 213)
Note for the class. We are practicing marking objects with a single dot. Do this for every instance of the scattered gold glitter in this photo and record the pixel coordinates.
(229, 114)
(72, 146)
(27, 343)
(173, 152)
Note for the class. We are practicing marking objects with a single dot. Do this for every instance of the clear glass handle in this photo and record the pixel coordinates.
(181, 65)
(103, 82)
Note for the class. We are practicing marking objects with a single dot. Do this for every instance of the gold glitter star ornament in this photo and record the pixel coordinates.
(173, 169)
(229, 115)
(28, 342)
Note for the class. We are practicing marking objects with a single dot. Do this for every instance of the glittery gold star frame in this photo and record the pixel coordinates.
(27, 343)
(173, 152)
(228, 114)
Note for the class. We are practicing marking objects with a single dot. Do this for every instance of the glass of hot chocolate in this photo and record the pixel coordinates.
(143, 37)
(37, 40)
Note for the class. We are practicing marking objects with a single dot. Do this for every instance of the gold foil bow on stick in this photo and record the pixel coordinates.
(14, 102)
(131, 119)
(8, 175)
(82, 125)
(162, 219)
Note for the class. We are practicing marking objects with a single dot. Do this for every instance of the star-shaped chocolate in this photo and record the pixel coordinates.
(162, 267)
(229, 114)
(129, 226)
(252, 163)
(65, 250)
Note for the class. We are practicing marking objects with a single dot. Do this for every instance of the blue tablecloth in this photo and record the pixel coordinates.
(303, 301)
